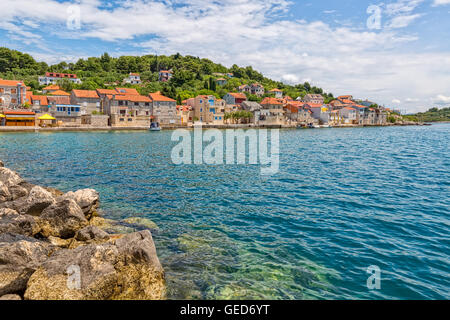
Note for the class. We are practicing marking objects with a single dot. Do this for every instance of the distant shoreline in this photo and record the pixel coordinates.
(245, 126)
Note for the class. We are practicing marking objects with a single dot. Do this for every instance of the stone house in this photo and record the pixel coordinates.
(86, 98)
(164, 110)
(12, 93)
(313, 98)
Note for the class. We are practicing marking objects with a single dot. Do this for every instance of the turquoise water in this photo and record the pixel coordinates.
(344, 199)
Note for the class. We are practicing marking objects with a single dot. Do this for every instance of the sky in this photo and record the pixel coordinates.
(396, 53)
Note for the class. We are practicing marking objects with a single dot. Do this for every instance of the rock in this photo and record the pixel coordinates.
(13, 222)
(17, 192)
(55, 192)
(20, 256)
(127, 268)
(91, 233)
(37, 201)
(1, 164)
(87, 199)
(9, 177)
(58, 242)
(110, 226)
(62, 219)
(10, 297)
(5, 195)
(142, 223)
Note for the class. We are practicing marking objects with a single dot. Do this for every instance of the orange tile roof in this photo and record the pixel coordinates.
(159, 97)
(238, 95)
(106, 91)
(314, 105)
(349, 108)
(270, 100)
(42, 99)
(275, 90)
(52, 87)
(130, 91)
(59, 93)
(19, 112)
(129, 97)
(85, 94)
(11, 83)
(58, 100)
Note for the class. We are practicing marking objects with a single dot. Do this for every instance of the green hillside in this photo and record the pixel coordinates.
(433, 115)
(192, 75)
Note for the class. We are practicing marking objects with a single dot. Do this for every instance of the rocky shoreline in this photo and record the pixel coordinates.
(54, 246)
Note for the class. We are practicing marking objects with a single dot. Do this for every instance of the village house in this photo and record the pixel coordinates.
(185, 113)
(245, 88)
(336, 118)
(133, 78)
(296, 113)
(54, 77)
(86, 98)
(51, 88)
(164, 110)
(67, 115)
(165, 75)
(277, 92)
(348, 114)
(320, 112)
(128, 110)
(39, 103)
(253, 107)
(314, 99)
(12, 93)
(235, 98)
(208, 109)
(257, 89)
(272, 112)
(103, 95)
(221, 81)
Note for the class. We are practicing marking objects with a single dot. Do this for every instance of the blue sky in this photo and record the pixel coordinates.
(397, 54)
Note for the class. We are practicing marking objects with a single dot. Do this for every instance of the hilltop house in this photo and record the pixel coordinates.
(277, 92)
(12, 93)
(164, 109)
(244, 88)
(221, 81)
(165, 75)
(313, 98)
(235, 98)
(86, 98)
(133, 78)
(257, 89)
(54, 77)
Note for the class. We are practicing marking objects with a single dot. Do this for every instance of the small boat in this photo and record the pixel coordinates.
(154, 126)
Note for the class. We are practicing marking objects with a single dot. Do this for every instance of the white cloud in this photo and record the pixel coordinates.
(396, 101)
(442, 99)
(440, 2)
(342, 59)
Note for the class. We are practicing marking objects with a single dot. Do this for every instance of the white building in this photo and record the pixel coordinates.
(53, 78)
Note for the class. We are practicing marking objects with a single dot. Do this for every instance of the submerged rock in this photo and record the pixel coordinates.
(62, 219)
(141, 222)
(127, 268)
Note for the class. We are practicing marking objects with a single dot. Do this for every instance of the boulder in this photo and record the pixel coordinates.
(62, 219)
(13, 222)
(5, 195)
(20, 256)
(36, 202)
(87, 199)
(91, 233)
(9, 177)
(17, 192)
(1, 164)
(127, 268)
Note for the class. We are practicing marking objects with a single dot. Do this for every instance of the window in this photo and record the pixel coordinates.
(136, 103)
(121, 119)
(130, 119)
(212, 110)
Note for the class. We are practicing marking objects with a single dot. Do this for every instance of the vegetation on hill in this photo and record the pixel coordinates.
(432, 115)
(192, 75)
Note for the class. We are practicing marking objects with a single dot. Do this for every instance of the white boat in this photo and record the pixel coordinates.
(154, 126)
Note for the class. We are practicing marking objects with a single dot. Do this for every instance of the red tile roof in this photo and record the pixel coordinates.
(52, 87)
(60, 75)
(43, 100)
(275, 90)
(159, 97)
(29, 113)
(11, 83)
(270, 100)
(129, 97)
(130, 91)
(92, 94)
(58, 100)
(106, 91)
(238, 95)
(59, 93)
